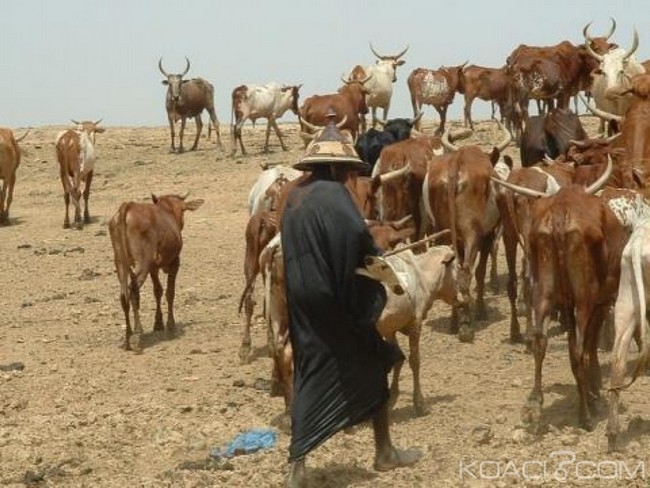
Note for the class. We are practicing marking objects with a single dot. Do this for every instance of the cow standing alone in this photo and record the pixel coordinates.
(146, 238)
(9, 162)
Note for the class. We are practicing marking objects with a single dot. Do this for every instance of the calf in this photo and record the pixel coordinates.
(75, 153)
(424, 278)
(9, 162)
(630, 318)
(146, 238)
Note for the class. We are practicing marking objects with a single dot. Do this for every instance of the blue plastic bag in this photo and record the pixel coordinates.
(247, 443)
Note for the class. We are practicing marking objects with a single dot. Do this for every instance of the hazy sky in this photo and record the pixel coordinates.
(88, 59)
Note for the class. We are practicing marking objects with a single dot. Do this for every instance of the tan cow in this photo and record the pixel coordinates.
(146, 238)
(9, 162)
(75, 152)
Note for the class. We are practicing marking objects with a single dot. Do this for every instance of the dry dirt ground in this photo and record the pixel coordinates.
(84, 412)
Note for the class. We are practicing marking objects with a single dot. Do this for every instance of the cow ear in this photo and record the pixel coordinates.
(193, 204)
(154, 198)
(185, 81)
(508, 160)
(100, 130)
(165, 82)
(400, 62)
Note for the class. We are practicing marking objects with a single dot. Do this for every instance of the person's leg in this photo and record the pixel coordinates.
(296, 477)
(387, 457)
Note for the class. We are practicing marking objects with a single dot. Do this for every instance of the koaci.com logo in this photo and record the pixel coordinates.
(561, 466)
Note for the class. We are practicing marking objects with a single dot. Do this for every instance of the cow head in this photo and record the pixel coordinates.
(600, 45)
(176, 206)
(89, 127)
(174, 82)
(616, 67)
(390, 63)
(293, 92)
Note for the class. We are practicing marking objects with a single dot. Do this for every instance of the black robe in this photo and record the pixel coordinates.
(340, 361)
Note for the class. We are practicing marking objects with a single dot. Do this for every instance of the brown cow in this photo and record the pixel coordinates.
(75, 153)
(576, 243)
(146, 238)
(348, 103)
(188, 98)
(9, 162)
(488, 84)
(434, 87)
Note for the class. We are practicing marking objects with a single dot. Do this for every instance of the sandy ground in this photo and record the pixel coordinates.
(84, 412)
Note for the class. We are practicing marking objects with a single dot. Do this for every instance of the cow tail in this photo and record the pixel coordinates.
(426, 202)
(644, 356)
(451, 196)
(558, 228)
(121, 247)
(252, 254)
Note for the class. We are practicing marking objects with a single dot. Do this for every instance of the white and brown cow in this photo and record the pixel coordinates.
(75, 152)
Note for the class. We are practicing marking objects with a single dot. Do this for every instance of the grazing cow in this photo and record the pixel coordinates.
(630, 319)
(379, 88)
(488, 84)
(9, 162)
(146, 238)
(611, 78)
(549, 136)
(458, 195)
(576, 243)
(434, 87)
(370, 143)
(254, 102)
(188, 98)
(347, 104)
(75, 153)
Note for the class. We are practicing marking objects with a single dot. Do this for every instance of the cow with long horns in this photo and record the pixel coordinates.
(380, 86)
(188, 98)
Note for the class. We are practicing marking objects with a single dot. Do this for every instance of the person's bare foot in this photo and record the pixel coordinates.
(396, 458)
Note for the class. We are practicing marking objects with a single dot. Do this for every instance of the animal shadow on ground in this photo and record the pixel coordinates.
(563, 412)
(442, 324)
(259, 352)
(336, 475)
(407, 412)
(637, 427)
(12, 222)
(153, 337)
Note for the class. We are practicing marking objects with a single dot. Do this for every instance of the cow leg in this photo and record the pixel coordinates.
(510, 247)
(9, 195)
(265, 149)
(394, 384)
(172, 271)
(199, 129)
(279, 134)
(66, 198)
(215, 124)
(86, 194)
(479, 276)
(467, 111)
(494, 277)
(442, 112)
(373, 111)
(172, 131)
(157, 292)
(414, 363)
(124, 300)
(245, 348)
(625, 325)
(579, 364)
(134, 289)
(539, 340)
(181, 132)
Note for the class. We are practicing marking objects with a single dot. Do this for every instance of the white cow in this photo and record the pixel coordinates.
(612, 78)
(268, 102)
(380, 85)
(630, 318)
(258, 197)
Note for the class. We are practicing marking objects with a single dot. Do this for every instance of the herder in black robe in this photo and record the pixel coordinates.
(341, 363)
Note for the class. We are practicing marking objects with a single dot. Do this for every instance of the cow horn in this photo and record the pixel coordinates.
(596, 185)
(186, 195)
(98, 121)
(447, 143)
(522, 190)
(402, 222)
(635, 45)
(507, 138)
(417, 118)
(600, 113)
(397, 56)
(187, 68)
(393, 175)
(310, 126)
(342, 122)
(593, 53)
(161, 68)
(580, 144)
(459, 134)
(611, 139)
(75, 122)
(612, 29)
(18, 139)
(376, 53)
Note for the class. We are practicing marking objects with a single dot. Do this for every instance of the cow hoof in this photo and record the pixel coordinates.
(170, 333)
(611, 443)
(587, 424)
(420, 410)
(516, 338)
(245, 354)
(466, 334)
(66, 225)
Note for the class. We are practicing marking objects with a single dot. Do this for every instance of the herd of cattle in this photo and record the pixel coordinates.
(576, 207)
